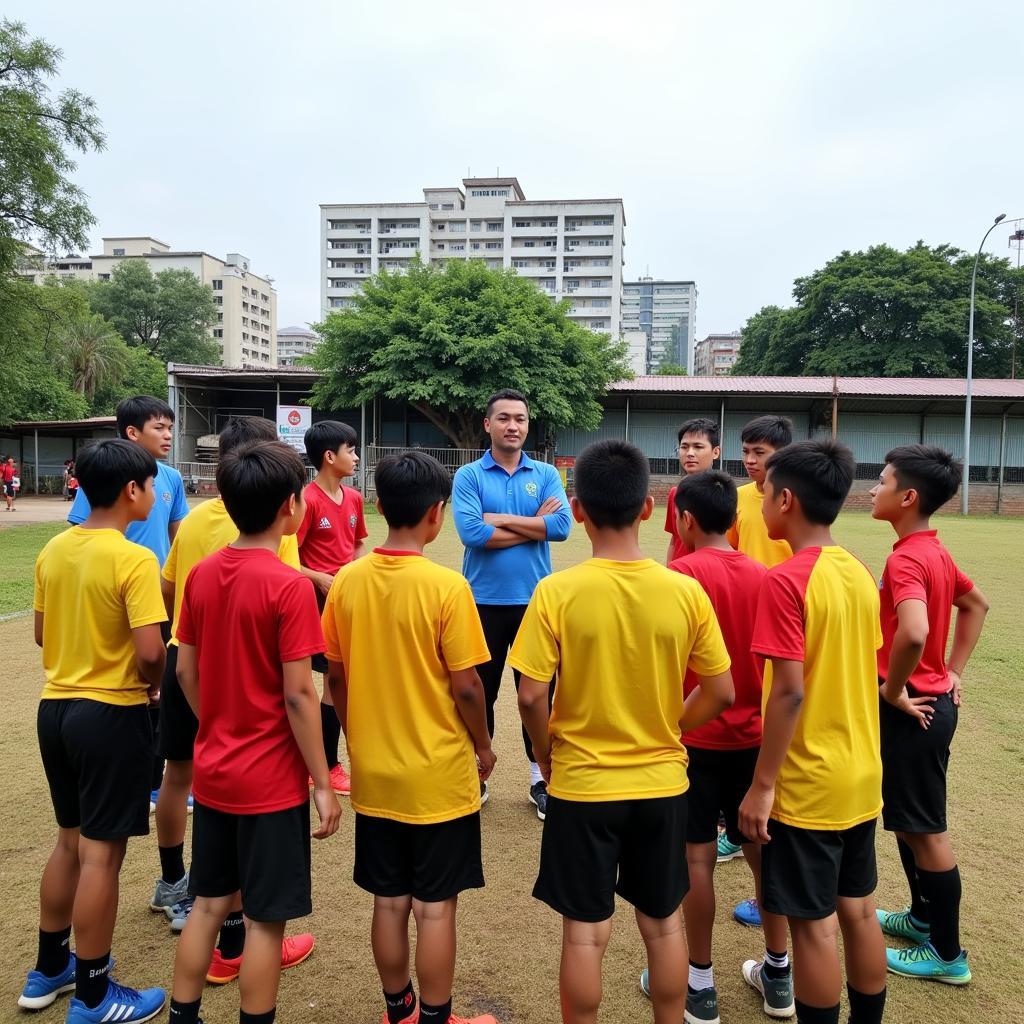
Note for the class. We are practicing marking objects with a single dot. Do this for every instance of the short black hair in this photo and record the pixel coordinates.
(701, 425)
(820, 474)
(408, 485)
(611, 480)
(138, 411)
(255, 481)
(241, 430)
(774, 430)
(105, 468)
(506, 395)
(710, 497)
(327, 436)
(931, 471)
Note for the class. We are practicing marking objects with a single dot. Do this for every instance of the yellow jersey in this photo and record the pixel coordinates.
(749, 533)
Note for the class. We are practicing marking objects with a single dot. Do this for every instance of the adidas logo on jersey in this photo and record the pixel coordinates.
(324, 524)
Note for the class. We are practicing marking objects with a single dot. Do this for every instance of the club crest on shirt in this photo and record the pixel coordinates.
(166, 497)
(531, 489)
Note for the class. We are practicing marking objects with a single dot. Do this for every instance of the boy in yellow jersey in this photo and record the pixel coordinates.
(620, 631)
(403, 644)
(97, 618)
(817, 787)
(209, 528)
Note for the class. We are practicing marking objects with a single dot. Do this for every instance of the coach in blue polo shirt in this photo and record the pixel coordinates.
(507, 507)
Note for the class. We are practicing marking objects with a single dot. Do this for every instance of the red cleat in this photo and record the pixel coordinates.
(294, 949)
(340, 782)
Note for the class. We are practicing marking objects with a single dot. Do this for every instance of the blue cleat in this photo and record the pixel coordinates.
(747, 912)
(122, 1004)
(901, 924)
(41, 991)
(726, 850)
(923, 962)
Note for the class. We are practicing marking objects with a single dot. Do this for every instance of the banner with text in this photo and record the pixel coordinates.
(292, 423)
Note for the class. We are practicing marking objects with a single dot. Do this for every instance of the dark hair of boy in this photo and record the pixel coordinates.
(241, 430)
(327, 436)
(819, 473)
(104, 470)
(612, 482)
(702, 425)
(710, 497)
(774, 430)
(255, 481)
(138, 411)
(408, 485)
(506, 395)
(931, 471)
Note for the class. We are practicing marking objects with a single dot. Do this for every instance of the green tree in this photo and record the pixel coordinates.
(445, 340)
(670, 370)
(168, 314)
(93, 354)
(38, 202)
(141, 374)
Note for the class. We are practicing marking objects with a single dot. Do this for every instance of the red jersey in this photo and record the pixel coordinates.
(679, 547)
(921, 569)
(732, 581)
(8, 472)
(330, 531)
(247, 613)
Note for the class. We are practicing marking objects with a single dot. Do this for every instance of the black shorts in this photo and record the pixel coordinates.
(914, 766)
(719, 780)
(97, 759)
(804, 871)
(320, 660)
(431, 863)
(267, 856)
(178, 725)
(9, 490)
(591, 851)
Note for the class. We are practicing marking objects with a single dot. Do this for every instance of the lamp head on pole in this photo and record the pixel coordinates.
(1001, 216)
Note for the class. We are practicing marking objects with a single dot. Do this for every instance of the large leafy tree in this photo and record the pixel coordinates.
(168, 313)
(883, 312)
(445, 340)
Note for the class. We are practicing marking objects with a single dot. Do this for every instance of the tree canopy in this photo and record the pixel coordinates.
(888, 313)
(445, 339)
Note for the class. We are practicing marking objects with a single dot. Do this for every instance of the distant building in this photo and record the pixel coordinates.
(666, 312)
(293, 343)
(637, 355)
(717, 354)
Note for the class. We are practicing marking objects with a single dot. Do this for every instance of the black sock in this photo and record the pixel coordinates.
(865, 1009)
(172, 863)
(942, 890)
(816, 1014)
(92, 979)
(332, 733)
(232, 936)
(257, 1018)
(400, 1005)
(435, 1014)
(918, 904)
(54, 952)
(184, 1013)
(771, 971)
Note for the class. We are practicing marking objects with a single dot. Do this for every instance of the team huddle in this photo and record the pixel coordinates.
(761, 696)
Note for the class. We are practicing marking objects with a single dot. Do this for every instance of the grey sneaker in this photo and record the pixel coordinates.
(178, 914)
(168, 893)
(539, 798)
(702, 1006)
(777, 993)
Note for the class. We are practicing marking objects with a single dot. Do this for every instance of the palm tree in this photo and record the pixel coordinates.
(93, 354)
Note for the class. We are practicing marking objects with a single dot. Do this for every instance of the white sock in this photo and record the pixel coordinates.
(701, 977)
(781, 962)
(535, 775)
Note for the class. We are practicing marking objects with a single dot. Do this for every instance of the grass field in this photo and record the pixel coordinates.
(509, 943)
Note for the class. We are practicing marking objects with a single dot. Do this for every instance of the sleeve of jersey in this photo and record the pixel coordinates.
(299, 633)
(287, 551)
(329, 625)
(170, 569)
(733, 534)
(185, 632)
(80, 508)
(535, 650)
(179, 505)
(708, 656)
(779, 623)
(307, 519)
(680, 566)
(670, 513)
(361, 532)
(462, 637)
(907, 580)
(141, 590)
(38, 599)
(962, 584)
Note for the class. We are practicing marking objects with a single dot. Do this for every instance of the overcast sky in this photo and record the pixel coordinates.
(749, 141)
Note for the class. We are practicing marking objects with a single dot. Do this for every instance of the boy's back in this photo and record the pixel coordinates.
(749, 533)
(247, 613)
(621, 636)
(401, 624)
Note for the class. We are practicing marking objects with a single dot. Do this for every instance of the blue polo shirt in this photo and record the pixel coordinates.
(170, 506)
(506, 575)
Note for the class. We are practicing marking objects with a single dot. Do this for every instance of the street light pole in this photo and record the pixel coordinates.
(965, 486)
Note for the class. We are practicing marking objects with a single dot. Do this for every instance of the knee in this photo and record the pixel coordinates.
(178, 774)
(654, 928)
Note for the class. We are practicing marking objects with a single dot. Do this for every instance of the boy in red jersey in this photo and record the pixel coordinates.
(722, 753)
(920, 586)
(331, 535)
(247, 628)
(699, 445)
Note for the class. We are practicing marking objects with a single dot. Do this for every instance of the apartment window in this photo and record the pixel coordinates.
(476, 245)
(440, 246)
(522, 223)
(598, 323)
(218, 332)
(495, 225)
(218, 286)
(218, 300)
(457, 247)
(494, 245)
(604, 222)
(119, 252)
(433, 206)
(439, 225)
(520, 263)
(598, 283)
(550, 264)
(245, 321)
(447, 206)
(457, 225)
(220, 318)
(553, 223)
(474, 225)
(410, 224)
(528, 245)
(264, 298)
(104, 277)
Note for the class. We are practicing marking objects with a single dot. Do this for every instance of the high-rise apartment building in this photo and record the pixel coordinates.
(571, 248)
(246, 328)
(666, 312)
(717, 354)
(293, 343)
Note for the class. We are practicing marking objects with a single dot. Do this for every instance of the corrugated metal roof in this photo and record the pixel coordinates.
(92, 421)
(874, 387)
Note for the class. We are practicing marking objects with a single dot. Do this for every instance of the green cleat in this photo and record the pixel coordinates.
(923, 962)
(727, 850)
(901, 924)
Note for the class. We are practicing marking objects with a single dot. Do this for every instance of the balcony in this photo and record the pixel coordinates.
(583, 247)
(533, 232)
(539, 248)
(359, 232)
(400, 252)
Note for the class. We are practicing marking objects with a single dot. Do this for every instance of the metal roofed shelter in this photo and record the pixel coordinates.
(50, 442)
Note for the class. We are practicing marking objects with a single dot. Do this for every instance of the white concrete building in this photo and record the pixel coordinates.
(571, 248)
(293, 343)
(666, 311)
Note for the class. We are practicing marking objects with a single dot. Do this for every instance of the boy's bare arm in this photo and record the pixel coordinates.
(533, 710)
(321, 580)
(711, 696)
(150, 655)
(780, 718)
(38, 629)
(167, 593)
(907, 647)
(187, 671)
(971, 610)
(359, 549)
(338, 685)
(302, 704)
(468, 692)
